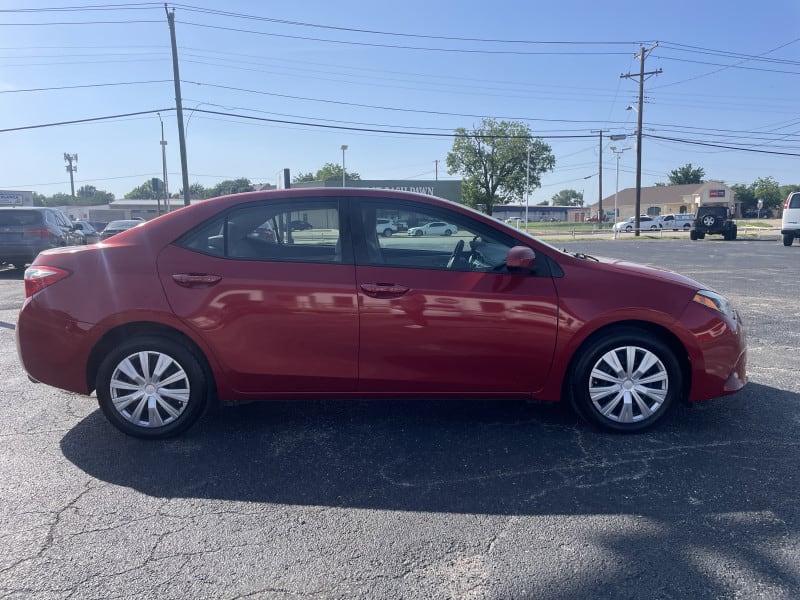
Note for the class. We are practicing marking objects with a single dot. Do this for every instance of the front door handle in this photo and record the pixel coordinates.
(384, 290)
(195, 280)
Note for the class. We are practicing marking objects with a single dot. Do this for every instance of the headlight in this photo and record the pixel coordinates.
(714, 301)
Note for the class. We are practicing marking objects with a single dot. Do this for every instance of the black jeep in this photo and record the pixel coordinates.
(713, 219)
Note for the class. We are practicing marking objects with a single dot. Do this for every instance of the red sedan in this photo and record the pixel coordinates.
(197, 306)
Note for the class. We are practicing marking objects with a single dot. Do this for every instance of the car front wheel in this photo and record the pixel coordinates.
(626, 381)
(151, 387)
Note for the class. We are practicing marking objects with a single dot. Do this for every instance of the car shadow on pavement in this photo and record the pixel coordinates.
(714, 485)
(500, 457)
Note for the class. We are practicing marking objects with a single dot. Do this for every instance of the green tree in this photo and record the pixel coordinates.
(568, 198)
(788, 189)
(492, 159)
(59, 199)
(745, 195)
(88, 194)
(686, 174)
(229, 186)
(328, 171)
(769, 190)
(196, 190)
(145, 191)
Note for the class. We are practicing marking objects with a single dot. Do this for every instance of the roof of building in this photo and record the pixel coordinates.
(658, 194)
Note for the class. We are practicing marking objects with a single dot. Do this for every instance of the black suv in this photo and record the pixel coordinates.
(713, 220)
(26, 231)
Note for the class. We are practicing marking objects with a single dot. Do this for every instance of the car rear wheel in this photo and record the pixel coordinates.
(692, 235)
(151, 387)
(788, 238)
(626, 381)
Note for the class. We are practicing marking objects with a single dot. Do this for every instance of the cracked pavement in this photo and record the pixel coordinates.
(421, 499)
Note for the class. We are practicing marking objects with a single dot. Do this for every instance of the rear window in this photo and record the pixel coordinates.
(11, 218)
(794, 201)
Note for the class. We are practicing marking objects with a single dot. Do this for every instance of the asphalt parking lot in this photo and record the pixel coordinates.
(422, 499)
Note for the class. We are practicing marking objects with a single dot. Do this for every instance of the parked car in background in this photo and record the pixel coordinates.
(189, 309)
(300, 225)
(629, 224)
(713, 220)
(385, 227)
(677, 222)
(89, 234)
(115, 227)
(26, 231)
(758, 213)
(790, 222)
(433, 228)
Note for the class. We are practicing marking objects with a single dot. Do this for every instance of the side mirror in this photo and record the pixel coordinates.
(521, 258)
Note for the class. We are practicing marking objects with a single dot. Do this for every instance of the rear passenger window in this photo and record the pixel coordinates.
(297, 230)
(794, 202)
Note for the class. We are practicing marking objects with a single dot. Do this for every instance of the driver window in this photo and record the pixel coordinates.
(407, 234)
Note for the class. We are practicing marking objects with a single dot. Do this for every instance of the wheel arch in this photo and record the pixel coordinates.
(643, 327)
(128, 331)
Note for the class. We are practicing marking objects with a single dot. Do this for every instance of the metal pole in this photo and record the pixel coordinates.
(527, 185)
(616, 192)
(344, 147)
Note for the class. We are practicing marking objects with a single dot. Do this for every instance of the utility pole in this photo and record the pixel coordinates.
(436, 169)
(600, 214)
(179, 105)
(641, 75)
(70, 158)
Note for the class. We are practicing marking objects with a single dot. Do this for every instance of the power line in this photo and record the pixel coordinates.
(87, 85)
(399, 46)
(90, 120)
(699, 143)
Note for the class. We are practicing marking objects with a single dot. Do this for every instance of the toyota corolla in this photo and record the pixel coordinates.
(196, 307)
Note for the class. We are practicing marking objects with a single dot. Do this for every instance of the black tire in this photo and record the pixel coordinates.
(628, 406)
(418, 233)
(448, 232)
(629, 228)
(172, 408)
(788, 238)
(387, 232)
(693, 235)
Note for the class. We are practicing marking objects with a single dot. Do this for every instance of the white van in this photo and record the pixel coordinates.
(790, 223)
(676, 222)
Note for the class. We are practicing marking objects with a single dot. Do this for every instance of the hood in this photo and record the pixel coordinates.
(648, 271)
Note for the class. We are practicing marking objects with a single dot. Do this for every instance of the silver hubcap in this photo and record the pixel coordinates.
(150, 389)
(628, 384)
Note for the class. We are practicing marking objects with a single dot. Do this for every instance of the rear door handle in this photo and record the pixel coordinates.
(383, 290)
(196, 280)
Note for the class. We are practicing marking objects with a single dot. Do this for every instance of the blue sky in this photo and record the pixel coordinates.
(731, 77)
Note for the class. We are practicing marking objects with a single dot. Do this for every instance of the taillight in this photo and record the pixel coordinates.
(38, 278)
(37, 233)
(788, 199)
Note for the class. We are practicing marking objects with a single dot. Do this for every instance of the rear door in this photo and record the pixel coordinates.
(278, 310)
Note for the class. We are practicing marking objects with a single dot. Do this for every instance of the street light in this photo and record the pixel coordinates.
(527, 185)
(638, 208)
(164, 164)
(618, 154)
(344, 147)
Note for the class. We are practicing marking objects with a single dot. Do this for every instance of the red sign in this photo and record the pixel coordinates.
(716, 193)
